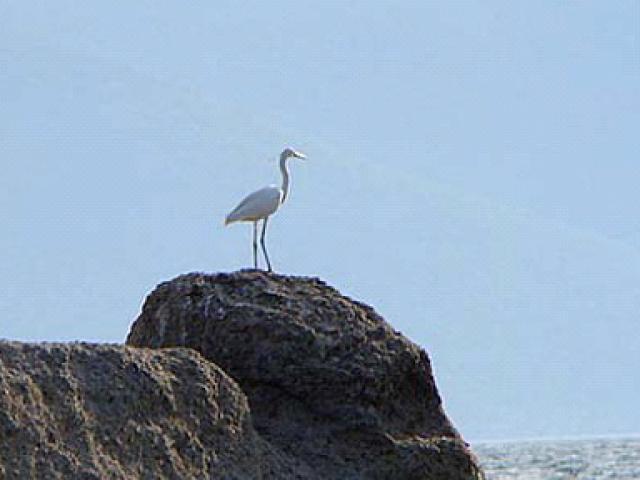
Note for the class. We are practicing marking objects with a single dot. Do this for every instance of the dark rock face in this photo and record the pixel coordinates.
(332, 387)
(86, 411)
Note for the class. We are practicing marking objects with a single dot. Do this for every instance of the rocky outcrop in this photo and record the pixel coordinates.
(332, 388)
(283, 378)
(88, 411)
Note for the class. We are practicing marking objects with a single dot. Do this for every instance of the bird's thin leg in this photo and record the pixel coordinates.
(264, 248)
(255, 245)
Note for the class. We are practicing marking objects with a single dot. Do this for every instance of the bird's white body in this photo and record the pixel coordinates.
(257, 205)
(263, 203)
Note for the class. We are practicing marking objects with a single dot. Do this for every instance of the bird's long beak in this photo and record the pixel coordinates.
(299, 155)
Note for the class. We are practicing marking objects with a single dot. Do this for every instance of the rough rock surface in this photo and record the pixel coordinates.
(332, 387)
(87, 411)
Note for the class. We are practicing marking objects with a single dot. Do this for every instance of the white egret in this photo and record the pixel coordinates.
(261, 204)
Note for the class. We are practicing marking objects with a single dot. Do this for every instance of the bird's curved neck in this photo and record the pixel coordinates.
(285, 178)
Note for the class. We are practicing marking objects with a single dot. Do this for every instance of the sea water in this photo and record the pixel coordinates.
(583, 459)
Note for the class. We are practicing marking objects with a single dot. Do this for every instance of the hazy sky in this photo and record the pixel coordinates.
(473, 174)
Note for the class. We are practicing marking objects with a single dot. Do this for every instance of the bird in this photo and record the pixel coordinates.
(263, 203)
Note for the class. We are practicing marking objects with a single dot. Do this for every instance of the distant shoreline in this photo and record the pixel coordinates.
(564, 438)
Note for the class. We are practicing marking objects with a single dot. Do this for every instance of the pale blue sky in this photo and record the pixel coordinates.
(473, 175)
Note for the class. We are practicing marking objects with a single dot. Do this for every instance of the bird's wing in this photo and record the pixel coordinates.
(256, 205)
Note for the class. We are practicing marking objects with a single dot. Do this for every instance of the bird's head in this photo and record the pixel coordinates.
(291, 153)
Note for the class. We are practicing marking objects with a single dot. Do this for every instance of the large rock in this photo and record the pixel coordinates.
(332, 387)
(86, 411)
